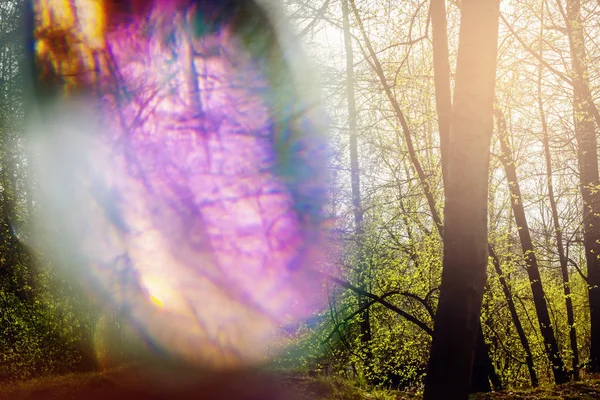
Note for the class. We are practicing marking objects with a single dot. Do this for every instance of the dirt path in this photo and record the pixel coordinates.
(158, 385)
(137, 383)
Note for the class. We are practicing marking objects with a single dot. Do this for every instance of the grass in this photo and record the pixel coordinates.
(586, 389)
(137, 383)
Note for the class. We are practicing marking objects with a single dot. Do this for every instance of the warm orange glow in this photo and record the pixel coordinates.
(68, 33)
(84, 18)
(92, 22)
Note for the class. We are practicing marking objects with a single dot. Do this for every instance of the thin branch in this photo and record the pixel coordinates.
(573, 263)
(561, 75)
(377, 299)
(319, 16)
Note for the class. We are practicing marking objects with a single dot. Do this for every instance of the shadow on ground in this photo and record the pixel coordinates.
(178, 384)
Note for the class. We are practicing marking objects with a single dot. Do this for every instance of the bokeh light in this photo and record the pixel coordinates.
(182, 170)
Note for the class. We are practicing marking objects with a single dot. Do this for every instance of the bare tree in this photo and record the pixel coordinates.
(554, 210)
(533, 271)
(585, 112)
(365, 325)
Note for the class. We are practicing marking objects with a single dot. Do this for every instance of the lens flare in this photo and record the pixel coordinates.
(182, 169)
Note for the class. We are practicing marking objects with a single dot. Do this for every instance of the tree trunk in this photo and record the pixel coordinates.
(555, 220)
(539, 297)
(441, 67)
(479, 378)
(365, 324)
(558, 232)
(585, 134)
(465, 227)
(515, 318)
(483, 368)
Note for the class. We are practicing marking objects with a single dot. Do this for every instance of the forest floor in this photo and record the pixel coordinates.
(586, 389)
(133, 384)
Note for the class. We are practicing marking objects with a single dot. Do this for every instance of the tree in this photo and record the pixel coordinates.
(533, 271)
(482, 366)
(465, 217)
(365, 325)
(585, 112)
(555, 219)
(515, 318)
(441, 67)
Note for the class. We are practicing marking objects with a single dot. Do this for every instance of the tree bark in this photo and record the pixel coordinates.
(539, 297)
(585, 135)
(465, 221)
(483, 368)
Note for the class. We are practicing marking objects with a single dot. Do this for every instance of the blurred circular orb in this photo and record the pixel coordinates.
(180, 160)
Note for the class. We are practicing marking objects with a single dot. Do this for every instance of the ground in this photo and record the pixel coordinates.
(129, 383)
(587, 389)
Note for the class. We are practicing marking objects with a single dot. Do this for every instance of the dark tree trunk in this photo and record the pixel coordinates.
(479, 378)
(515, 317)
(585, 134)
(443, 103)
(465, 228)
(483, 368)
(539, 297)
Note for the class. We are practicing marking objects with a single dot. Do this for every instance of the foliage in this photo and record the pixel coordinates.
(47, 325)
(41, 336)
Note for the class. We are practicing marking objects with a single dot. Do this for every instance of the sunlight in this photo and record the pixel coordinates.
(173, 191)
(156, 301)
(190, 178)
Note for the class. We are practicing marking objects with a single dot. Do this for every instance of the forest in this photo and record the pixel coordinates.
(462, 209)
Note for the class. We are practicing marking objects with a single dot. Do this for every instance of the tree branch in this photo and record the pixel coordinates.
(376, 299)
